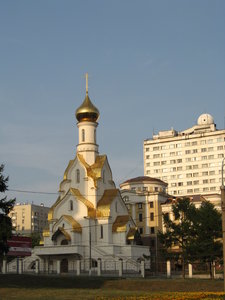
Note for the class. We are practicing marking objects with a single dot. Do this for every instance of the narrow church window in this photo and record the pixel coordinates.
(116, 206)
(83, 135)
(71, 205)
(95, 136)
(101, 232)
(103, 176)
(78, 176)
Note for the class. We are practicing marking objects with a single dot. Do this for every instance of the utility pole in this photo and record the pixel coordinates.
(223, 220)
(90, 262)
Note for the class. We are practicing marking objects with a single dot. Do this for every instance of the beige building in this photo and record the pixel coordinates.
(143, 197)
(28, 218)
(190, 160)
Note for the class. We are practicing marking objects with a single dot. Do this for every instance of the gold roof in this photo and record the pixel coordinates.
(75, 225)
(103, 206)
(50, 213)
(120, 223)
(131, 233)
(87, 111)
(94, 171)
(63, 231)
(90, 207)
(46, 233)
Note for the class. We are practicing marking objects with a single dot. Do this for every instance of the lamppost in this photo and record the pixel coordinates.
(223, 220)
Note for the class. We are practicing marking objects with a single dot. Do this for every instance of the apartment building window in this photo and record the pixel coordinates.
(173, 184)
(156, 155)
(152, 230)
(151, 216)
(148, 164)
(211, 172)
(196, 182)
(195, 167)
(188, 159)
(188, 152)
(204, 157)
(172, 146)
(148, 172)
(148, 156)
(163, 147)
(205, 181)
(210, 156)
(189, 182)
(187, 144)
(205, 173)
(204, 150)
(179, 168)
(196, 190)
(210, 141)
(155, 148)
(179, 160)
(206, 189)
(147, 149)
(179, 176)
(179, 145)
(203, 142)
(151, 204)
(173, 177)
(189, 191)
(156, 163)
(219, 140)
(204, 165)
(140, 217)
(195, 151)
(173, 169)
(163, 162)
(194, 143)
(188, 167)
(213, 188)
(220, 155)
(141, 230)
(195, 174)
(164, 178)
(179, 152)
(172, 153)
(180, 183)
(173, 161)
(180, 192)
(140, 205)
(210, 149)
(212, 180)
(165, 170)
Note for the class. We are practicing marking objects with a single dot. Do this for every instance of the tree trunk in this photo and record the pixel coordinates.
(183, 268)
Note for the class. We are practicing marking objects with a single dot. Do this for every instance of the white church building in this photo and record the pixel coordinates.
(89, 220)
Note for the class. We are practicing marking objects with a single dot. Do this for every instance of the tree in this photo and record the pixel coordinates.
(5, 207)
(35, 239)
(176, 239)
(206, 246)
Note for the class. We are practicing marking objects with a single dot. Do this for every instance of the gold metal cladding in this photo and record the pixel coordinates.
(90, 207)
(76, 227)
(87, 111)
(94, 171)
(103, 206)
(120, 223)
(131, 233)
(46, 233)
(68, 168)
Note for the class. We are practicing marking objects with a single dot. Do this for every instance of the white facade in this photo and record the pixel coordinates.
(89, 218)
(190, 160)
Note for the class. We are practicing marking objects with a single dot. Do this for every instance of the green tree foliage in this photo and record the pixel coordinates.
(206, 245)
(5, 207)
(35, 239)
(179, 231)
(193, 234)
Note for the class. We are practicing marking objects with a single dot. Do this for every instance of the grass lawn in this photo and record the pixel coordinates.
(35, 287)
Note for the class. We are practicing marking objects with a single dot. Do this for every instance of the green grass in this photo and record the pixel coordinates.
(35, 287)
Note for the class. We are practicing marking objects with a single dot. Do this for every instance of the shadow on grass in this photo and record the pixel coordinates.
(56, 282)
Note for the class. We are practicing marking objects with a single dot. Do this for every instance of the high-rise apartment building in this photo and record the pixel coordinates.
(190, 160)
(28, 218)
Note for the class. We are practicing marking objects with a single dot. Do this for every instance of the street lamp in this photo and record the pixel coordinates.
(223, 219)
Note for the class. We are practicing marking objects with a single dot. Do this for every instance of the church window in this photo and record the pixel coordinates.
(101, 231)
(78, 176)
(140, 218)
(83, 135)
(95, 136)
(116, 206)
(71, 205)
(103, 176)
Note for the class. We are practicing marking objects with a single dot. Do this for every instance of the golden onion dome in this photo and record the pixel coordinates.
(87, 111)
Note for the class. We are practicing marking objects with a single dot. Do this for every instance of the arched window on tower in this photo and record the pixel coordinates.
(78, 176)
(83, 135)
(101, 231)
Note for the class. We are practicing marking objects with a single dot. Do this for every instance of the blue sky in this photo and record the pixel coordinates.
(152, 65)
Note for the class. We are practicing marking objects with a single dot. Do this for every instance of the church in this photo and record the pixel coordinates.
(89, 220)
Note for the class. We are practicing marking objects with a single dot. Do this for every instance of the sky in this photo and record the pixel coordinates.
(152, 65)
